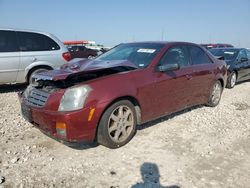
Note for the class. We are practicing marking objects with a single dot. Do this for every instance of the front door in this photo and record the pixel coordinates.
(173, 88)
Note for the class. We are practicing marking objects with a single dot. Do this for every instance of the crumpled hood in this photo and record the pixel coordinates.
(77, 66)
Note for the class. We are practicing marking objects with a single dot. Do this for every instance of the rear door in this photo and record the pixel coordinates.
(173, 88)
(9, 57)
(202, 74)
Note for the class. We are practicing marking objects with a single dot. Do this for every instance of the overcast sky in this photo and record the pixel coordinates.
(110, 22)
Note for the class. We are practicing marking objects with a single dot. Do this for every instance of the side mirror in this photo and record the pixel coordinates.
(243, 59)
(168, 67)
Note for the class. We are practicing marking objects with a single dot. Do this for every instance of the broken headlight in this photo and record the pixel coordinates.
(74, 98)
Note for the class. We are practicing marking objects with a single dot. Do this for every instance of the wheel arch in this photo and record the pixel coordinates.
(222, 82)
(132, 99)
(233, 70)
(35, 68)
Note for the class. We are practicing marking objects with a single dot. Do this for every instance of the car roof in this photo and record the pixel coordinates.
(162, 42)
(227, 48)
(25, 30)
(217, 44)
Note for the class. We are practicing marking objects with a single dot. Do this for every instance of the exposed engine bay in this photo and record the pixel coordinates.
(50, 86)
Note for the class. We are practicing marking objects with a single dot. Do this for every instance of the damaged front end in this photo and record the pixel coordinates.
(71, 74)
(57, 99)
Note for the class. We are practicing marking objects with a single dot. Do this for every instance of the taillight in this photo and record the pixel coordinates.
(66, 56)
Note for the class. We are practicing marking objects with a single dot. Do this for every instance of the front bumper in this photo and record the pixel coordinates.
(78, 126)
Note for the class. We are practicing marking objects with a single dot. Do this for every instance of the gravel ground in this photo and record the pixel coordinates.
(199, 147)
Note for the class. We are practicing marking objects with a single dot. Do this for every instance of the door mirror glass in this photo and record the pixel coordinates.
(168, 67)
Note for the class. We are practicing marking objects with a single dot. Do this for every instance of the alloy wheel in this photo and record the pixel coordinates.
(216, 94)
(120, 123)
(233, 79)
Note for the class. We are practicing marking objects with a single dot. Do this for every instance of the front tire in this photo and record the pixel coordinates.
(215, 95)
(232, 79)
(117, 125)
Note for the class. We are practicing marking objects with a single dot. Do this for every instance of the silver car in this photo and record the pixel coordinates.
(24, 53)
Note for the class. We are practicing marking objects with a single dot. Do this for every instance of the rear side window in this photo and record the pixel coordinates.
(36, 42)
(198, 56)
(8, 41)
(248, 54)
(176, 55)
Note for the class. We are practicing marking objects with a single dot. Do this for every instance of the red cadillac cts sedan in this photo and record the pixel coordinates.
(103, 99)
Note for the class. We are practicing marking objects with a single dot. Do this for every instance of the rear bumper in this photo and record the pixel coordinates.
(78, 128)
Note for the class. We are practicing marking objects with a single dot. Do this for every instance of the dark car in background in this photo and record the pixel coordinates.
(103, 99)
(238, 61)
(82, 52)
(219, 45)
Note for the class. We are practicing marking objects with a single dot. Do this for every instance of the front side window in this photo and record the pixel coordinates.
(176, 55)
(140, 54)
(8, 41)
(36, 42)
(248, 54)
(242, 54)
(198, 56)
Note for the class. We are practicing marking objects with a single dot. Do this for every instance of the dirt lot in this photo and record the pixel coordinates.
(202, 147)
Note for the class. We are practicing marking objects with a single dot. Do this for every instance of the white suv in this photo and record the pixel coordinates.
(24, 53)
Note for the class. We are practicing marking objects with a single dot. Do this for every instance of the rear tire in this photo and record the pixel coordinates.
(35, 71)
(215, 95)
(117, 125)
(232, 79)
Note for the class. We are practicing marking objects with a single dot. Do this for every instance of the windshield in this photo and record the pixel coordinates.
(228, 54)
(140, 54)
